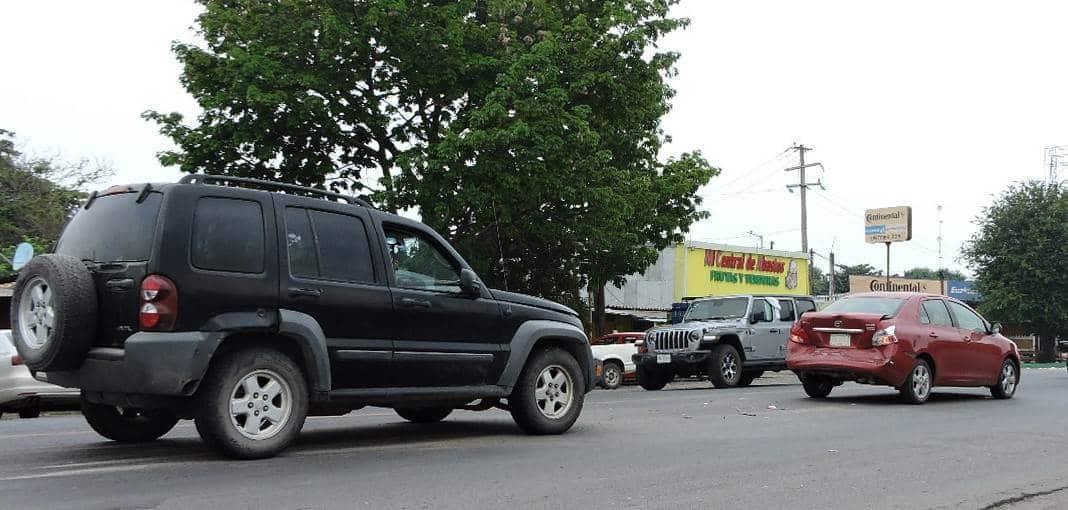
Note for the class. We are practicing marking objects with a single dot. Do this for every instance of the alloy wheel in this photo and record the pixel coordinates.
(554, 392)
(1008, 378)
(729, 366)
(261, 404)
(37, 313)
(921, 381)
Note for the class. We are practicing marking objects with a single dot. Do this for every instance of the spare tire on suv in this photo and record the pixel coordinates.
(53, 312)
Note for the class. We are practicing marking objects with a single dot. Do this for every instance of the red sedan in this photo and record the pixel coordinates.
(910, 341)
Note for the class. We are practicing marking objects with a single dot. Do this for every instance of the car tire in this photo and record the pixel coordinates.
(613, 375)
(53, 312)
(817, 387)
(423, 414)
(725, 368)
(917, 387)
(549, 394)
(1007, 381)
(749, 377)
(128, 425)
(651, 379)
(258, 384)
(33, 412)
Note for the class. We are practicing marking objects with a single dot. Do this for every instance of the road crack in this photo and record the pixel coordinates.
(1021, 498)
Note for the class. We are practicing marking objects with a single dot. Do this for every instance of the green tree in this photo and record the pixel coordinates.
(842, 274)
(924, 273)
(1017, 255)
(37, 196)
(820, 282)
(526, 131)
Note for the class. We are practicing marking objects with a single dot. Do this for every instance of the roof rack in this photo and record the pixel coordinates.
(224, 179)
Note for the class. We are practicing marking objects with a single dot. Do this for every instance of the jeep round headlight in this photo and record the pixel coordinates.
(695, 335)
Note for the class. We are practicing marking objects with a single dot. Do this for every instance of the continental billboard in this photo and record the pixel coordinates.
(713, 270)
(858, 284)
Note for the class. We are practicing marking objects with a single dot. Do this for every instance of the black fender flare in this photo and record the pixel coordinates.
(300, 328)
(308, 334)
(530, 333)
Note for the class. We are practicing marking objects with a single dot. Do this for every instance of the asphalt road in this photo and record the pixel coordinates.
(688, 446)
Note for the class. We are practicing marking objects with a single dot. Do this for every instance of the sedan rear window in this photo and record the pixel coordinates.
(878, 305)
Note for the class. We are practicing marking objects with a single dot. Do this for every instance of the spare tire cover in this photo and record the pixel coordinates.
(53, 312)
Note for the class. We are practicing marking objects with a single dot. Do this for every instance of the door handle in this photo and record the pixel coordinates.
(414, 303)
(305, 292)
(932, 334)
(773, 330)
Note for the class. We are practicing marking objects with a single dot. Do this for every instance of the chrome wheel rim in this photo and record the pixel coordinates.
(611, 375)
(37, 313)
(260, 405)
(921, 381)
(554, 392)
(729, 366)
(1008, 378)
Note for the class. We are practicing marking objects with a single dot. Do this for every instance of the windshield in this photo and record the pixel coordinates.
(714, 309)
(877, 305)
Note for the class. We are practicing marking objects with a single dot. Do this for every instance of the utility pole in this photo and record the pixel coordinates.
(803, 185)
(830, 281)
(758, 236)
(941, 272)
(1054, 153)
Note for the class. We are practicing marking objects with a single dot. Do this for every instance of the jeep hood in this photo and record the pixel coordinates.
(523, 299)
(725, 324)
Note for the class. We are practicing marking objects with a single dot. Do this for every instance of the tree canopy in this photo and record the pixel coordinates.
(924, 273)
(37, 195)
(1017, 254)
(526, 131)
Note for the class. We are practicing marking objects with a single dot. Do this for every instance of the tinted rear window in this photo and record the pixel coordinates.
(228, 235)
(880, 305)
(115, 228)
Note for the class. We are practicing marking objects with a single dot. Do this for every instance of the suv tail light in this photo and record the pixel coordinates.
(798, 334)
(884, 336)
(159, 303)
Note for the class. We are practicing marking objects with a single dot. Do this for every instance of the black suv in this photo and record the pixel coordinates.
(247, 305)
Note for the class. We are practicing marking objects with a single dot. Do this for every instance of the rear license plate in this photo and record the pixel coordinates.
(663, 358)
(841, 340)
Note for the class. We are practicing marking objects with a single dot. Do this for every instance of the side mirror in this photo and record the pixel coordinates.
(995, 329)
(23, 254)
(469, 283)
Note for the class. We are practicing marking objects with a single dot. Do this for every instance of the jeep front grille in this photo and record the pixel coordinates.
(671, 340)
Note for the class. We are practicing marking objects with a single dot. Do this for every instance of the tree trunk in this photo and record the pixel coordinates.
(1047, 348)
(598, 310)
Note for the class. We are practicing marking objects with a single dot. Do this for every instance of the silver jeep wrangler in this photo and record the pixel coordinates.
(731, 340)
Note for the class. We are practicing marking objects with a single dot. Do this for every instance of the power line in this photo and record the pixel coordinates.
(726, 185)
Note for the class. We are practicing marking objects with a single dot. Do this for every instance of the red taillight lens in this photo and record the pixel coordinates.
(16, 360)
(885, 336)
(798, 334)
(159, 303)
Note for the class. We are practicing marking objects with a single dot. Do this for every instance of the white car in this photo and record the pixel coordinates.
(20, 392)
(615, 351)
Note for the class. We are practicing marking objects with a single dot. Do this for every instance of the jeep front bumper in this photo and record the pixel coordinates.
(684, 361)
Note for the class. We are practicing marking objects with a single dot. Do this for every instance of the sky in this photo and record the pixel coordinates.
(904, 103)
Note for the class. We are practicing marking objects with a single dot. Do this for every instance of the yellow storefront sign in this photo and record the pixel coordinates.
(711, 270)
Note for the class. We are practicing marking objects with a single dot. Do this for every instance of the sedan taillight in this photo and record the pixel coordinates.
(159, 304)
(798, 334)
(883, 337)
